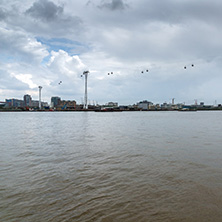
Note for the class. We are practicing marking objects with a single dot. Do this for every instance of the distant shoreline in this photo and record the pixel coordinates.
(17, 110)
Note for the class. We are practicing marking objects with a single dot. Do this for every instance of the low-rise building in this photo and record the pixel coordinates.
(67, 104)
(26, 103)
(57, 103)
(14, 103)
(112, 104)
(144, 105)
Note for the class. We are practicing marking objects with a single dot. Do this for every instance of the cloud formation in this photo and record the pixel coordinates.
(47, 41)
(113, 5)
(45, 10)
(21, 46)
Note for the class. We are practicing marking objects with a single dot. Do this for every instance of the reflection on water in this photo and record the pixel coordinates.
(129, 166)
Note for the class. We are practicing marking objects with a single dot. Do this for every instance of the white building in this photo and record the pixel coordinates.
(144, 105)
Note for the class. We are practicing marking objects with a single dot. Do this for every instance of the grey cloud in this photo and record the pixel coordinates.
(162, 30)
(2, 14)
(89, 3)
(175, 12)
(113, 5)
(45, 18)
(45, 10)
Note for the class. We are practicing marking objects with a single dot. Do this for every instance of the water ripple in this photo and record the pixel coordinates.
(132, 166)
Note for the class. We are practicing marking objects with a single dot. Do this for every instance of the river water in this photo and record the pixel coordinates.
(120, 166)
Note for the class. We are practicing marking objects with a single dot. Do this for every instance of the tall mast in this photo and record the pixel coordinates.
(40, 88)
(85, 73)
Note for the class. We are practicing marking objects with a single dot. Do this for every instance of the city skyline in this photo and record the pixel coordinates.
(28, 99)
(133, 50)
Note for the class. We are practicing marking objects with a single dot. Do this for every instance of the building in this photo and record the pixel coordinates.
(112, 104)
(14, 103)
(27, 100)
(57, 103)
(26, 103)
(144, 105)
(2, 104)
(67, 104)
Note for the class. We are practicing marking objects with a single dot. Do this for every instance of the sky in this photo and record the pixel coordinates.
(43, 42)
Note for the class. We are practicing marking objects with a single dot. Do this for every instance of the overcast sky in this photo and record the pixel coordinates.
(43, 42)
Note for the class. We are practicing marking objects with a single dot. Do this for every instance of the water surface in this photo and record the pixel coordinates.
(128, 166)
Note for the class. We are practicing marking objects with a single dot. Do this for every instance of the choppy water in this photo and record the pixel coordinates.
(128, 166)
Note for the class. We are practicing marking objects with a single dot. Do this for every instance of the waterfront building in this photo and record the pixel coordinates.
(14, 103)
(144, 105)
(67, 104)
(27, 100)
(2, 104)
(44, 104)
(35, 104)
(55, 101)
(112, 104)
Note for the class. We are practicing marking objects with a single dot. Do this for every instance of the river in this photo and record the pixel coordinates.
(111, 167)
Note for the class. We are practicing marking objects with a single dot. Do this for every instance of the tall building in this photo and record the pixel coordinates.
(27, 100)
(55, 101)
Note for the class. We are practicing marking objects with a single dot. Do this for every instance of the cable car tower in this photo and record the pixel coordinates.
(85, 73)
(40, 103)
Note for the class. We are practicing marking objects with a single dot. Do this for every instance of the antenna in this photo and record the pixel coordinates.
(40, 88)
(85, 73)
